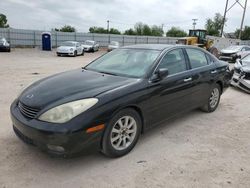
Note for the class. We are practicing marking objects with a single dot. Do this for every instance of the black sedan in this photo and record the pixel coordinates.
(110, 102)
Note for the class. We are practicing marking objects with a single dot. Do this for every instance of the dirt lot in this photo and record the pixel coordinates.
(195, 150)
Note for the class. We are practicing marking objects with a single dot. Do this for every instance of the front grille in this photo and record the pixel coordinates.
(27, 111)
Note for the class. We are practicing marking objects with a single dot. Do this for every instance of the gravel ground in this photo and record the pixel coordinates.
(194, 150)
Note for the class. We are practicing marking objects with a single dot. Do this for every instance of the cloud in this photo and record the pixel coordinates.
(48, 14)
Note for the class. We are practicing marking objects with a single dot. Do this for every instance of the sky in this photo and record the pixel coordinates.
(82, 14)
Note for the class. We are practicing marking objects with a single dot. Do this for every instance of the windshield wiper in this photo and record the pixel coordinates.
(108, 73)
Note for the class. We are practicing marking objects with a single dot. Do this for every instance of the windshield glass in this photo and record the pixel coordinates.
(68, 44)
(246, 60)
(125, 62)
(236, 48)
(88, 42)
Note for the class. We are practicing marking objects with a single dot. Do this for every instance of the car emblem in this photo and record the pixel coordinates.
(29, 96)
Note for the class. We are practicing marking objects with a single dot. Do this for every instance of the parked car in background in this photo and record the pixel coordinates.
(4, 45)
(241, 76)
(110, 102)
(70, 48)
(232, 53)
(90, 46)
(113, 45)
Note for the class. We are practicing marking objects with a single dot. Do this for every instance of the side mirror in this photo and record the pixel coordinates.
(159, 74)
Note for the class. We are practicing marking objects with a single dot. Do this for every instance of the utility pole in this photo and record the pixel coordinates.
(194, 23)
(243, 16)
(242, 20)
(108, 26)
(224, 19)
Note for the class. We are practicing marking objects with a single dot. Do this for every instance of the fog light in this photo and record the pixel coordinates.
(55, 148)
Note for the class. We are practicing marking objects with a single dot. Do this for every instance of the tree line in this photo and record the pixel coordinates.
(212, 25)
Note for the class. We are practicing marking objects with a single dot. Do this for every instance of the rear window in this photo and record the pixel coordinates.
(197, 58)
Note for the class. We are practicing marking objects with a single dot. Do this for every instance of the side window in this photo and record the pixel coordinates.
(197, 58)
(174, 61)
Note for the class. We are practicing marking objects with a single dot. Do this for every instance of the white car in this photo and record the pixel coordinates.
(113, 45)
(90, 46)
(71, 48)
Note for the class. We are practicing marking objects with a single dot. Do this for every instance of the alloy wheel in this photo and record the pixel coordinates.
(123, 133)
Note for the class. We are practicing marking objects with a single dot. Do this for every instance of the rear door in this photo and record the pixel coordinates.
(171, 95)
(203, 74)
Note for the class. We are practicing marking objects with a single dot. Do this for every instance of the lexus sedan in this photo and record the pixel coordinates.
(90, 46)
(232, 53)
(4, 45)
(70, 48)
(241, 76)
(109, 103)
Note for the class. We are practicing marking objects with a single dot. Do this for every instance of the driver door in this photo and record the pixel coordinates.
(172, 95)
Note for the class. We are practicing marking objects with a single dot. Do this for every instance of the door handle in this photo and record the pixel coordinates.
(188, 79)
(213, 71)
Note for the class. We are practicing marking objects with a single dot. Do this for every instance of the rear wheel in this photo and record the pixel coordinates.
(122, 133)
(213, 100)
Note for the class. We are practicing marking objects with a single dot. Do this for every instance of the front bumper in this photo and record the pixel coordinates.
(4, 48)
(65, 53)
(63, 143)
(239, 81)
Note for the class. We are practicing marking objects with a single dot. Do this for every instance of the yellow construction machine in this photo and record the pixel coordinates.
(197, 37)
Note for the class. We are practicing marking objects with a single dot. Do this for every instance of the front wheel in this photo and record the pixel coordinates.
(122, 133)
(213, 100)
(75, 53)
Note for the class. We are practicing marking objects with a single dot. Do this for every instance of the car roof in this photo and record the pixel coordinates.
(159, 47)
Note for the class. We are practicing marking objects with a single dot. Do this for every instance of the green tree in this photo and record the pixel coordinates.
(114, 31)
(214, 26)
(176, 32)
(97, 30)
(156, 31)
(129, 32)
(146, 30)
(245, 34)
(139, 28)
(66, 28)
(3, 21)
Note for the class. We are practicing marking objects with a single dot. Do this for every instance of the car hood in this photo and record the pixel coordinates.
(71, 85)
(224, 51)
(65, 47)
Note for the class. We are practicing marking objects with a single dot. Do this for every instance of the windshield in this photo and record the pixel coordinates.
(89, 42)
(68, 44)
(236, 48)
(246, 60)
(125, 62)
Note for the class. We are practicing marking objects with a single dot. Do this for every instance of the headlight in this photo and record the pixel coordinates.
(67, 111)
(71, 49)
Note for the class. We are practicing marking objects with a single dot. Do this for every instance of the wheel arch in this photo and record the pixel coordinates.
(137, 109)
(220, 84)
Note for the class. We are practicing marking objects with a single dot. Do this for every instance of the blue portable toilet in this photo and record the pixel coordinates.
(46, 41)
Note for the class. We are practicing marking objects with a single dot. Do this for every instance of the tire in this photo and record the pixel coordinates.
(75, 53)
(213, 100)
(124, 137)
(82, 52)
